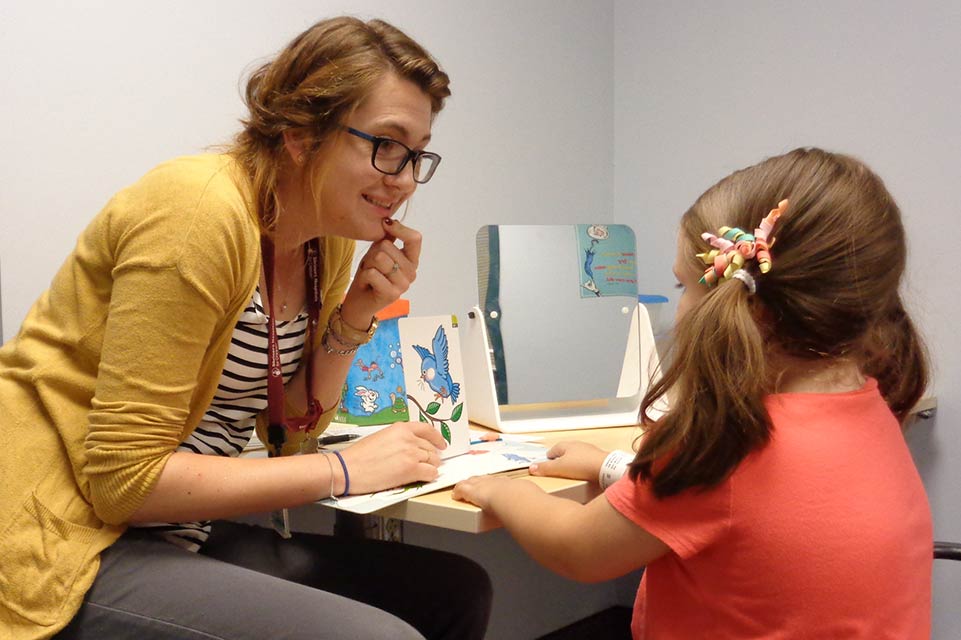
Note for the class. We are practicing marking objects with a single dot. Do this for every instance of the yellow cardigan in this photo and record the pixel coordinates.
(113, 367)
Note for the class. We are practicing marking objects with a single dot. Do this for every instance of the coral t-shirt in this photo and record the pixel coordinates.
(824, 533)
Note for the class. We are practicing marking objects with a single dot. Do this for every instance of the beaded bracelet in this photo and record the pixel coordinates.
(340, 339)
(615, 465)
(346, 475)
(325, 343)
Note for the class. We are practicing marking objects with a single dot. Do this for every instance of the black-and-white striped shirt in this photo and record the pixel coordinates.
(229, 422)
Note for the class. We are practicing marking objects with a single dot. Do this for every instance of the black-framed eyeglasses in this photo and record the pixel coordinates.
(390, 156)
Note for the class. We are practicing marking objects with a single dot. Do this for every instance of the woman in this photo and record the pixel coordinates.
(206, 294)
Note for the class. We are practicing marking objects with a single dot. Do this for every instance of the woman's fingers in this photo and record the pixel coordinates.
(402, 453)
(390, 261)
(427, 432)
(427, 470)
(386, 270)
(374, 289)
(410, 238)
(427, 443)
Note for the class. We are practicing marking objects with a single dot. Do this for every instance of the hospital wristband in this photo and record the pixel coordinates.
(615, 465)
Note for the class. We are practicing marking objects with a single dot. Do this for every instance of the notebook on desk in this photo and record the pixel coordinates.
(483, 457)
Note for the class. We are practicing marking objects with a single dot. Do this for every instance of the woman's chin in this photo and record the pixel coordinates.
(370, 235)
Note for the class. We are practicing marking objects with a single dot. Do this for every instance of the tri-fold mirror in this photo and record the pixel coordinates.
(558, 339)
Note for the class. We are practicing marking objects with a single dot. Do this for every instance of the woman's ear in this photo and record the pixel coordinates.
(295, 144)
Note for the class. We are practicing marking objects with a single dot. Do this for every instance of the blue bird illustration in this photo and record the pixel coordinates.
(435, 369)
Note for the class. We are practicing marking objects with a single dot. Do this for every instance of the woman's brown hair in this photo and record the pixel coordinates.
(311, 87)
(832, 293)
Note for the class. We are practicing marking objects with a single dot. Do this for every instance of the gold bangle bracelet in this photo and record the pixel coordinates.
(330, 465)
(339, 326)
(340, 339)
(325, 343)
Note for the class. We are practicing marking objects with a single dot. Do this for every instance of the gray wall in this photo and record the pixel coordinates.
(703, 88)
(96, 93)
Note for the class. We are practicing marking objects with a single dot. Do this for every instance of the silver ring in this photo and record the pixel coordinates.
(395, 268)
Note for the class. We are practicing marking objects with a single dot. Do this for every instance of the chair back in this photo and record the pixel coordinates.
(947, 551)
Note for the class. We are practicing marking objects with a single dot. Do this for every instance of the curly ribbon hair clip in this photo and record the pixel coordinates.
(733, 247)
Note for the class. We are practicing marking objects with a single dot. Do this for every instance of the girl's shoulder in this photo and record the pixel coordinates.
(859, 402)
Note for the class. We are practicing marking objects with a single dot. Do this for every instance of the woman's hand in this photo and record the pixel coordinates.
(575, 460)
(479, 490)
(403, 452)
(386, 271)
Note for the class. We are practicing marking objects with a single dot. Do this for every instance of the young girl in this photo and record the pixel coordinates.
(777, 497)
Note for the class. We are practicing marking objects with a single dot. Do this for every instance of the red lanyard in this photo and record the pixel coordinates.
(279, 423)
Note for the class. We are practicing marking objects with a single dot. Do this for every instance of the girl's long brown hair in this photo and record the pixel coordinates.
(312, 85)
(838, 259)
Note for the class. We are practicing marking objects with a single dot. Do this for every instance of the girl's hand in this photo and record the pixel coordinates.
(385, 272)
(402, 453)
(479, 490)
(575, 460)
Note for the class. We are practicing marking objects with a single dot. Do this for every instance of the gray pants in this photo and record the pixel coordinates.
(249, 583)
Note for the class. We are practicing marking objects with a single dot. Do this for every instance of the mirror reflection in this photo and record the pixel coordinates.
(558, 302)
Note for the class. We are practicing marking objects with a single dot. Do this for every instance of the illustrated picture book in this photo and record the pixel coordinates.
(374, 392)
(434, 378)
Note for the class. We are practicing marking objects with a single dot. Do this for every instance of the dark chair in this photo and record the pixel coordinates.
(947, 551)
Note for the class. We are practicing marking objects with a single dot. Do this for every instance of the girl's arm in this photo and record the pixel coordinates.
(590, 543)
(575, 460)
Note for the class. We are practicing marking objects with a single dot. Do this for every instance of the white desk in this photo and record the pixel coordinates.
(439, 509)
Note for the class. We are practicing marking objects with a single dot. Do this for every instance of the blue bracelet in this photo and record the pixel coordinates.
(346, 475)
